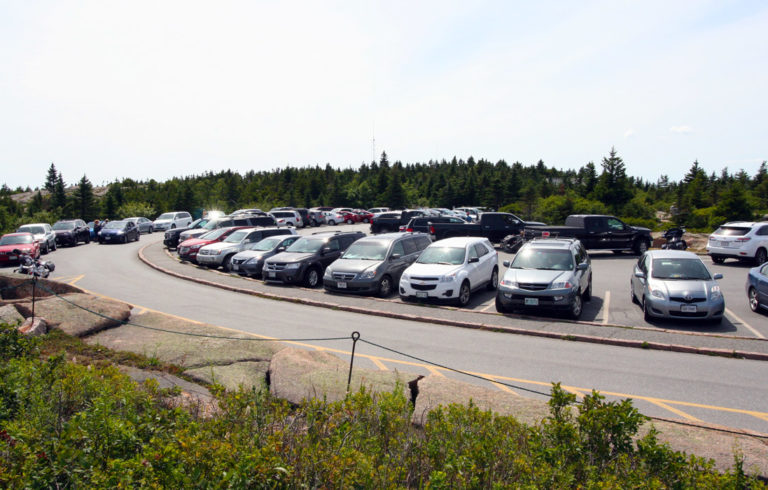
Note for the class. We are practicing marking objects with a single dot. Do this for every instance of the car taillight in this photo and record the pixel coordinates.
(432, 230)
(742, 239)
(409, 230)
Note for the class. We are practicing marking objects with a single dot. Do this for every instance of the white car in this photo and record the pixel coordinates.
(333, 218)
(173, 219)
(739, 240)
(287, 218)
(43, 233)
(451, 269)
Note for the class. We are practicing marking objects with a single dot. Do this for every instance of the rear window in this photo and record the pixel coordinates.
(732, 231)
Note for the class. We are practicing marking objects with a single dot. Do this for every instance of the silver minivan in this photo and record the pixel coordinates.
(173, 219)
(374, 264)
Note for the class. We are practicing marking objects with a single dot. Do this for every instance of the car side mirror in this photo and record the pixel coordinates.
(326, 250)
(472, 260)
(281, 249)
(506, 263)
(717, 276)
(639, 274)
(395, 256)
(583, 266)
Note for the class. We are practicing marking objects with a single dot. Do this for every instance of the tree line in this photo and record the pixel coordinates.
(699, 201)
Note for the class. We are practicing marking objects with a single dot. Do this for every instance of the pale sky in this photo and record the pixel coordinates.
(157, 89)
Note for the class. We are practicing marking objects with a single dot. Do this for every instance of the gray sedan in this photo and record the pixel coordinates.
(143, 224)
(676, 284)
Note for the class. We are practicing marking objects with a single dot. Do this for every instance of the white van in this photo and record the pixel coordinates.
(173, 219)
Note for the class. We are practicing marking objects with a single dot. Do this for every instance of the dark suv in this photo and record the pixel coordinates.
(71, 231)
(171, 237)
(392, 221)
(374, 264)
(306, 260)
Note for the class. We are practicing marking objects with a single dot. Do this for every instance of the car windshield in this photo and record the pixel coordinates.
(731, 231)
(115, 225)
(166, 216)
(266, 244)
(64, 225)
(543, 259)
(214, 235)
(306, 245)
(366, 251)
(236, 237)
(282, 215)
(680, 269)
(16, 240)
(197, 223)
(38, 230)
(442, 255)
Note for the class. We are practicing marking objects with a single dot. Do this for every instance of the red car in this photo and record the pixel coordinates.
(350, 217)
(25, 242)
(188, 248)
(365, 216)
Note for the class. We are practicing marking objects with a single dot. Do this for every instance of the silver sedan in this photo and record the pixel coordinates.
(676, 284)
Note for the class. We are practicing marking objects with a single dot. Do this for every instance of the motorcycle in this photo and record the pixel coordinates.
(674, 237)
(512, 243)
(33, 267)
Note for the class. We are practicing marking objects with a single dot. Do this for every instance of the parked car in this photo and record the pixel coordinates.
(548, 273)
(676, 284)
(333, 218)
(423, 224)
(23, 242)
(315, 217)
(757, 287)
(392, 221)
(365, 216)
(171, 237)
(378, 210)
(173, 219)
(450, 270)
(493, 226)
(743, 240)
(287, 218)
(242, 220)
(121, 231)
(351, 217)
(306, 260)
(244, 211)
(43, 233)
(71, 231)
(250, 262)
(220, 254)
(596, 232)
(144, 225)
(188, 249)
(374, 264)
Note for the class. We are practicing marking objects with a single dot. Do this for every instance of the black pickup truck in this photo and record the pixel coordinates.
(597, 232)
(493, 226)
(391, 221)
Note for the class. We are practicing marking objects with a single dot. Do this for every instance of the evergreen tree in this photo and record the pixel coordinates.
(59, 198)
(612, 186)
(50, 179)
(394, 196)
(83, 200)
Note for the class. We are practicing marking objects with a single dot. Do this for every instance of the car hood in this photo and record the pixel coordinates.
(63, 232)
(431, 269)
(535, 276)
(696, 289)
(24, 247)
(354, 265)
(252, 254)
(222, 246)
(292, 256)
(195, 241)
(190, 234)
(111, 231)
(641, 229)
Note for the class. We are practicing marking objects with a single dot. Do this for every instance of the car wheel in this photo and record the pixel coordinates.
(367, 220)
(500, 306)
(761, 256)
(349, 221)
(641, 246)
(494, 282)
(717, 259)
(125, 239)
(385, 287)
(576, 307)
(45, 250)
(754, 304)
(173, 226)
(464, 294)
(312, 278)
(646, 312)
(587, 296)
(331, 222)
(88, 238)
(226, 264)
(632, 296)
(54, 246)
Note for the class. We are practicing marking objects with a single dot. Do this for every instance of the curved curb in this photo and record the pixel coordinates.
(755, 356)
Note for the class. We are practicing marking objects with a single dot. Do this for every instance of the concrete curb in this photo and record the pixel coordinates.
(755, 356)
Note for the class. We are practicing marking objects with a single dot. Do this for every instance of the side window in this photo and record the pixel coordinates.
(473, 252)
(255, 236)
(480, 249)
(289, 241)
(185, 215)
(763, 231)
(645, 262)
(400, 249)
(493, 220)
(226, 223)
(615, 224)
(423, 242)
(333, 244)
(240, 222)
(577, 257)
(510, 220)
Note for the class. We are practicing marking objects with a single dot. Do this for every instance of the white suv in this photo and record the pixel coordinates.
(451, 269)
(173, 219)
(739, 240)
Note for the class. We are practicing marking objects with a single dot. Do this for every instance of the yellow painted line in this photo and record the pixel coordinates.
(747, 325)
(575, 391)
(606, 307)
(493, 303)
(141, 310)
(505, 388)
(72, 280)
(435, 371)
(379, 364)
(378, 359)
(677, 412)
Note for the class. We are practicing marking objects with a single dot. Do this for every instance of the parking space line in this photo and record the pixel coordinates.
(606, 307)
(504, 388)
(747, 325)
(379, 364)
(674, 410)
(492, 303)
(575, 391)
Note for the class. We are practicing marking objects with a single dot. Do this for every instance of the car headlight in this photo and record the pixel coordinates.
(448, 277)
(405, 277)
(714, 292)
(292, 265)
(252, 260)
(120, 232)
(370, 274)
(657, 293)
(561, 285)
(508, 283)
(327, 274)
(195, 247)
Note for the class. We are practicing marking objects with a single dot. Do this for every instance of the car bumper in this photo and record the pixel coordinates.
(66, 240)
(556, 299)
(111, 238)
(431, 290)
(733, 252)
(662, 308)
(209, 260)
(287, 276)
(352, 286)
(248, 268)
(188, 255)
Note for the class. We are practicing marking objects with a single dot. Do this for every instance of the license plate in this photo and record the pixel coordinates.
(532, 301)
(688, 308)
(421, 294)
(341, 285)
(271, 274)
(235, 267)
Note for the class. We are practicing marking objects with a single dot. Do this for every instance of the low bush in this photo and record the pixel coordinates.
(86, 426)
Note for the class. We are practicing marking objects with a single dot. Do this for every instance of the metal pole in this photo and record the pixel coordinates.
(34, 291)
(355, 337)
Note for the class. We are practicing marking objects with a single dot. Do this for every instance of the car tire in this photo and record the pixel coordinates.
(88, 238)
(54, 246)
(226, 264)
(465, 294)
(717, 259)
(577, 306)
(125, 239)
(493, 284)
(385, 287)
(632, 296)
(45, 250)
(761, 256)
(754, 304)
(500, 306)
(312, 278)
(646, 314)
(587, 295)
(173, 226)
(349, 222)
(641, 246)
(331, 222)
